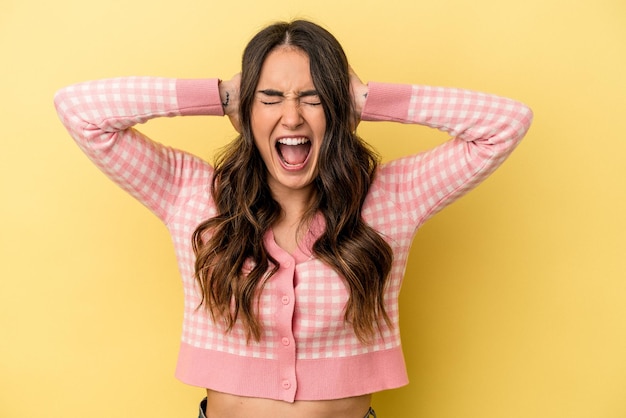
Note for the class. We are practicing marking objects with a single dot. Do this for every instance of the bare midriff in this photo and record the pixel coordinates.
(223, 405)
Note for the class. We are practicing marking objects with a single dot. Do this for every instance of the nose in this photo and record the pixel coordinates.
(292, 116)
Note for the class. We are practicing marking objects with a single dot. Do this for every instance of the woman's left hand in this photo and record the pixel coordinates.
(359, 95)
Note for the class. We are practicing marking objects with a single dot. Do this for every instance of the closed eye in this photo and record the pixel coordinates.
(310, 97)
(309, 103)
(272, 97)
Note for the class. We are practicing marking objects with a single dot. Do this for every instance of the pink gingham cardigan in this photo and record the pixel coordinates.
(307, 352)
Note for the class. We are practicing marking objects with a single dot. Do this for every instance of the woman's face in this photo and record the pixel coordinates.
(288, 121)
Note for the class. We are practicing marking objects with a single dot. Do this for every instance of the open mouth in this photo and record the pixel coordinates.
(293, 152)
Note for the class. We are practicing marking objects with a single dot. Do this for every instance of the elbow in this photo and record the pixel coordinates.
(62, 102)
(524, 118)
(519, 120)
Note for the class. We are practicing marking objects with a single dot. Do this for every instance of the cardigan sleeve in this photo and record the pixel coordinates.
(484, 130)
(101, 115)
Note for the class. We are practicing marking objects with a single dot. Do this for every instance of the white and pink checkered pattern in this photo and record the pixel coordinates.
(306, 351)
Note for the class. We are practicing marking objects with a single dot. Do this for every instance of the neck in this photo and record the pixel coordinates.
(294, 203)
(290, 228)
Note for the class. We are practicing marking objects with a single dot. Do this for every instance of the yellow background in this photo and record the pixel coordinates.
(515, 300)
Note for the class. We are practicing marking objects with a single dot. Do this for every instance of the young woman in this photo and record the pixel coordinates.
(292, 247)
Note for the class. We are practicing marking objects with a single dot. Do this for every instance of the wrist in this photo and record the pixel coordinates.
(225, 101)
(224, 94)
(360, 97)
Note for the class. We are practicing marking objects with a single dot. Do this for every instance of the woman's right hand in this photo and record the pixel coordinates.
(229, 95)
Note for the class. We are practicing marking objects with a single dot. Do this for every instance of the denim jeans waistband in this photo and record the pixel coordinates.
(369, 414)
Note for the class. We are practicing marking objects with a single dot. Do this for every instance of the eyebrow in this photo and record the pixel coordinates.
(276, 93)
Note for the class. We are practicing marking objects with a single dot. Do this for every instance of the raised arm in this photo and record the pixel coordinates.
(100, 116)
(484, 129)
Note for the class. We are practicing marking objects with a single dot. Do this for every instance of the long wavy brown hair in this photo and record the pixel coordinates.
(246, 209)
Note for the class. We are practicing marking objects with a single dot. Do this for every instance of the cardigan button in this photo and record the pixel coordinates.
(285, 341)
(286, 384)
(285, 300)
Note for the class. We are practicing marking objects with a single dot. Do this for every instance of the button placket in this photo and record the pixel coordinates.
(286, 350)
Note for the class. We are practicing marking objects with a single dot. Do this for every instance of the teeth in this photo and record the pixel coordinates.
(293, 141)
